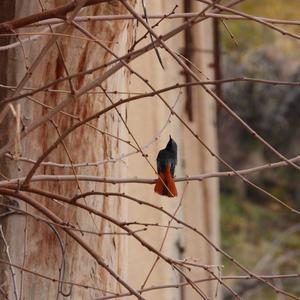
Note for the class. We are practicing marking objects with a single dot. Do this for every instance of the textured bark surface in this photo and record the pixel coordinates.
(7, 12)
(33, 244)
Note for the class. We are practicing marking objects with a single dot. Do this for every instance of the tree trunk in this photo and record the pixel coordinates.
(35, 245)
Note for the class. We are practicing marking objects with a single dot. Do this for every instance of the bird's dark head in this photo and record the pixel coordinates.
(171, 146)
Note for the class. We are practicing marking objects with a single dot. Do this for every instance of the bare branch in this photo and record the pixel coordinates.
(58, 12)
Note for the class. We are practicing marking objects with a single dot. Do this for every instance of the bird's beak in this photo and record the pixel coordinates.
(170, 136)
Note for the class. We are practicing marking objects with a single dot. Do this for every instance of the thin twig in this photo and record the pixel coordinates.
(12, 269)
(55, 218)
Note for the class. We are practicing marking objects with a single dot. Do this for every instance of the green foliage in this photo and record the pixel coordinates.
(250, 231)
(251, 223)
(250, 34)
(241, 228)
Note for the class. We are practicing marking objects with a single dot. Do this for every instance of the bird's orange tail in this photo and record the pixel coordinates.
(165, 184)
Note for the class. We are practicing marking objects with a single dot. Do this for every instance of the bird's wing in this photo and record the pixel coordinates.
(160, 161)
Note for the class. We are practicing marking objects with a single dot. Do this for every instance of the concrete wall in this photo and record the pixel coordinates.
(200, 199)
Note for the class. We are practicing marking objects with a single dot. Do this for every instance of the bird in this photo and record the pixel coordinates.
(166, 161)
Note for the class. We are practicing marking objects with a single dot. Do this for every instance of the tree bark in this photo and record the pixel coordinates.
(35, 245)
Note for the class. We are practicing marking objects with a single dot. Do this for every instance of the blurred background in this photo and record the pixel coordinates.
(256, 231)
